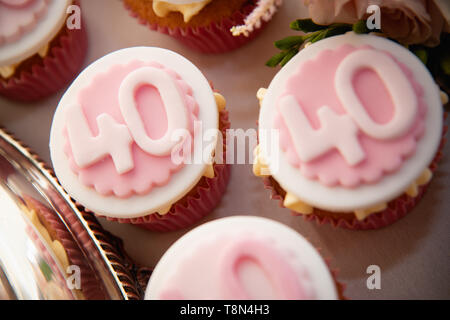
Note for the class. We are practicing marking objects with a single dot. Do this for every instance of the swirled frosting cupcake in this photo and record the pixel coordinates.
(42, 47)
(138, 138)
(350, 131)
(242, 258)
(208, 26)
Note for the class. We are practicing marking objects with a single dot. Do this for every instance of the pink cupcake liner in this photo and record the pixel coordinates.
(198, 204)
(89, 283)
(212, 39)
(62, 64)
(397, 208)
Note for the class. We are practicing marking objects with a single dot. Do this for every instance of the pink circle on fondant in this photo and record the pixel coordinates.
(16, 3)
(17, 17)
(101, 96)
(283, 277)
(213, 271)
(313, 87)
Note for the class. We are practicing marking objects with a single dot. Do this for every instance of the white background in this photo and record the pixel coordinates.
(413, 254)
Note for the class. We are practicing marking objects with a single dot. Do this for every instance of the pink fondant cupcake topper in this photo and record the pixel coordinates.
(123, 144)
(359, 118)
(241, 258)
(18, 17)
(120, 128)
(362, 124)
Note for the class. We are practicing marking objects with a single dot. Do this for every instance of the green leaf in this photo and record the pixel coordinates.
(46, 270)
(289, 55)
(422, 54)
(276, 59)
(445, 64)
(321, 35)
(289, 42)
(360, 27)
(339, 29)
(306, 25)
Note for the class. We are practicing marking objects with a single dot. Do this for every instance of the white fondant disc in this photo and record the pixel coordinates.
(45, 30)
(284, 237)
(338, 198)
(180, 182)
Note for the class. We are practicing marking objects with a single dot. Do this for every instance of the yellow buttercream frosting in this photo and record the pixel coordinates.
(220, 101)
(295, 204)
(260, 95)
(425, 177)
(43, 51)
(56, 246)
(8, 71)
(164, 211)
(412, 191)
(361, 214)
(209, 171)
(260, 167)
(163, 8)
(444, 98)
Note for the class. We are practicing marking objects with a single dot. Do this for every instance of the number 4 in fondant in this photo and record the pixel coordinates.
(115, 139)
(88, 149)
(337, 131)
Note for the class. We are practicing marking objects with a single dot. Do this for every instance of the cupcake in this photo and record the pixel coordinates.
(350, 131)
(42, 47)
(58, 246)
(208, 26)
(139, 138)
(242, 258)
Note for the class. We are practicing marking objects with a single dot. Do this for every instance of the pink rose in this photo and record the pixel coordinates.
(408, 21)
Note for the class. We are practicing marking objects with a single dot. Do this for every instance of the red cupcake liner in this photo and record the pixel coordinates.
(212, 39)
(198, 204)
(89, 283)
(396, 209)
(61, 64)
(340, 286)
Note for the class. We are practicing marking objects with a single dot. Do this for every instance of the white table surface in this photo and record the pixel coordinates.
(413, 254)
